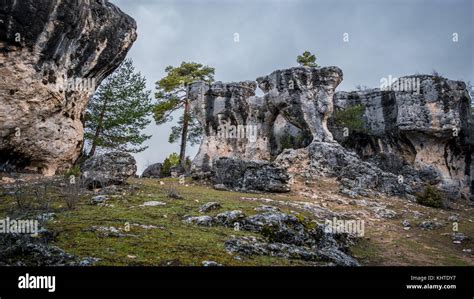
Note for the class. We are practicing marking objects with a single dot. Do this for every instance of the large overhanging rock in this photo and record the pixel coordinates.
(425, 126)
(53, 54)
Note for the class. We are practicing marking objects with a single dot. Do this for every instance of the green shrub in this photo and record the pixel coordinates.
(171, 161)
(174, 159)
(166, 168)
(430, 197)
(286, 142)
(75, 171)
(289, 141)
(351, 118)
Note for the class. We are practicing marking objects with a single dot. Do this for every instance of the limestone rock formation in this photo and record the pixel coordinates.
(108, 169)
(422, 133)
(53, 54)
(303, 96)
(288, 126)
(425, 128)
(240, 125)
(235, 121)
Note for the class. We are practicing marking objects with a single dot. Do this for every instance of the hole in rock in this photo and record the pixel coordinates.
(285, 135)
(12, 162)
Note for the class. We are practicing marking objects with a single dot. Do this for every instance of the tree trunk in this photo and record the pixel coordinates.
(184, 134)
(98, 130)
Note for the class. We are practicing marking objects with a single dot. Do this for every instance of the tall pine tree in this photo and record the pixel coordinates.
(172, 93)
(118, 112)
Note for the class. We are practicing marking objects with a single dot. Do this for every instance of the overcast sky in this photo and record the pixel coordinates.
(391, 37)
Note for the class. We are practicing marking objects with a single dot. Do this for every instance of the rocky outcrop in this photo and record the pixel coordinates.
(421, 131)
(234, 120)
(303, 97)
(283, 235)
(356, 177)
(153, 171)
(108, 169)
(244, 126)
(250, 175)
(36, 251)
(289, 135)
(240, 125)
(53, 54)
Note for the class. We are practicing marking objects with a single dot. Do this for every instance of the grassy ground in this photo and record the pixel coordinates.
(173, 242)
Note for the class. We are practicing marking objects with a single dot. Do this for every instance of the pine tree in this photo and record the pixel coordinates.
(118, 112)
(172, 92)
(195, 130)
(307, 59)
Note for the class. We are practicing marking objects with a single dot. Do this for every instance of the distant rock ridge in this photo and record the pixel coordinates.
(53, 54)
